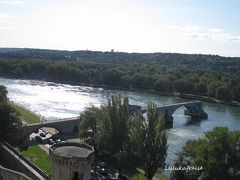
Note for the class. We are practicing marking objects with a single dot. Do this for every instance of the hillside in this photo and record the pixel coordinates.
(170, 60)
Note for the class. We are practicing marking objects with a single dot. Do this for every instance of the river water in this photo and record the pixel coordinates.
(54, 101)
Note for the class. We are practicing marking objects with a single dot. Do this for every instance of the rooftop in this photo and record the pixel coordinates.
(71, 149)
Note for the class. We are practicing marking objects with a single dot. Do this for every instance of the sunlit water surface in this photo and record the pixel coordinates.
(54, 101)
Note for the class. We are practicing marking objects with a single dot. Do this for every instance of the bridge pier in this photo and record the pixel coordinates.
(196, 113)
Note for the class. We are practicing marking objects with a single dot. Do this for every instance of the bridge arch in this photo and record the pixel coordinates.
(193, 109)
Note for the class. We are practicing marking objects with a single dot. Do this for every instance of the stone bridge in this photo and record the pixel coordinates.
(67, 125)
(193, 109)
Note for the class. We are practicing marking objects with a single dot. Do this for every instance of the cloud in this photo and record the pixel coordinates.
(103, 25)
(11, 1)
(4, 16)
(203, 33)
(5, 21)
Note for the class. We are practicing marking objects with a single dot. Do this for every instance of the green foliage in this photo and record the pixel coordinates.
(3, 94)
(236, 92)
(108, 125)
(149, 140)
(25, 114)
(218, 153)
(39, 157)
(223, 93)
(88, 121)
(118, 120)
(164, 75)
(126, 138)
(211, 89)
(163, 85)
(10, 124)
(183, 86)
(201, 88)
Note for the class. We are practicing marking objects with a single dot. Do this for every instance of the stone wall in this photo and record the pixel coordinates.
(6, 174)
(15, 161)
(68, 125)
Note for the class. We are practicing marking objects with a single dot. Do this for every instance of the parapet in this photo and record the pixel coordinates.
(71, 150)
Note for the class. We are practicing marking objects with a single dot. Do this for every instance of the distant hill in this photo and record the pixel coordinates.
(170, 60)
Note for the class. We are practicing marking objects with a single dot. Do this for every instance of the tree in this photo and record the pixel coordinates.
(223, 93)
(88, 121)
(218, 153)
(116, 124)
(109, 125)
(236, 92)
(3, 94)
(183, 86)
(200, 88)
(10, 124)
(149, 140)
(88, 125)
(211, 88)
(163, 84)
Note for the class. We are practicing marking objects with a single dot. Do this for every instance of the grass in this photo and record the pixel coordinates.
(160, 176)
(138, 176)
(39, 157)
(28, 116)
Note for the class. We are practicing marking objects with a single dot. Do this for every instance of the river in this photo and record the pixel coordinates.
(54, 100)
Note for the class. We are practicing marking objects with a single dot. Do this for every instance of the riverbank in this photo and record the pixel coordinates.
(153, 91)
(28, 116)
(132, 89)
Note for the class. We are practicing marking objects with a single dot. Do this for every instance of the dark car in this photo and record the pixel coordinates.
(42, 134)
(123, 177)
(102, 164)
(36, 131)
(58, 140)
(103, 171)
(50, 142)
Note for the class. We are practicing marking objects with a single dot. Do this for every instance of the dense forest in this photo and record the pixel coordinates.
(207, 75)
(172, 60)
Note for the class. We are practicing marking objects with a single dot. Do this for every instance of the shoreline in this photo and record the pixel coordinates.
(150, 90)
(28, 116)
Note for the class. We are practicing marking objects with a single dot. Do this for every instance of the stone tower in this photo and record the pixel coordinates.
(71, 161)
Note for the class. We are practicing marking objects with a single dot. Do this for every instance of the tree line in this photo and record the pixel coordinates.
(175, 60)
(160, 78)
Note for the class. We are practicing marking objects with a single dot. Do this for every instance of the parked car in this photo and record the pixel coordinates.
(103, 171)
(36, 131)
(42, 134)
(123, 177)
(50, 142)
(58, 141)
(102, 164)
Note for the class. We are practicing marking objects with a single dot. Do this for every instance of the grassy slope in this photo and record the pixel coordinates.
(28, 116)
(138, 176)
(39, 157)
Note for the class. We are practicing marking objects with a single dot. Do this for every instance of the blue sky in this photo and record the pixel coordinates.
(184, 26)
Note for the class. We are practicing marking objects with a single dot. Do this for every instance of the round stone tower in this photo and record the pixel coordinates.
(71, 161)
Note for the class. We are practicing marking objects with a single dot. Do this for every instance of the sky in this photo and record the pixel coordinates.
(181, 26)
